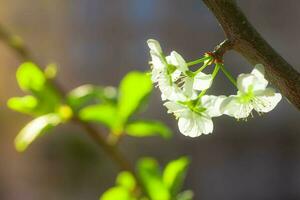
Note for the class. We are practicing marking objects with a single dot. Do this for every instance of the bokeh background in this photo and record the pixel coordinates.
(98, 41)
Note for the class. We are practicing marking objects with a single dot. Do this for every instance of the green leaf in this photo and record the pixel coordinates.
(49, 98)
(150, 175)
(134, 88)
(26, 104)
(126, 180)
(117, 193)
(102, 113)
(174, 174)
(185, 195)
(50, 71)
(34, 129)
(147, 128)
(30, 77)
(39, 104)
(85, 94)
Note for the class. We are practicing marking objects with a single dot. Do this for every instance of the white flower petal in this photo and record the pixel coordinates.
(202, 81)
(212, 104)
(244, 81)
(155, 74)
(177, 60)
(154, 46)
(157, 60)
(233, 107)
(188, 88)
(170, 92)
(249, 82)
(195, 125)
(259, 71)
(177, 109)
(266, 101)
(176, 75)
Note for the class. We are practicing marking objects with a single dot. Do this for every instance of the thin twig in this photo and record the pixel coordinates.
(16, 43)
(222, 48)
(110, 149)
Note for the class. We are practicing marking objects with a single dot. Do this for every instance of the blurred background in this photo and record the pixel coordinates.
(98, 42)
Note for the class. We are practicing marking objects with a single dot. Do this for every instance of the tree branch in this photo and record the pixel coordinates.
(222, 48)
(20, 48)
(15, 43)
(249, 43)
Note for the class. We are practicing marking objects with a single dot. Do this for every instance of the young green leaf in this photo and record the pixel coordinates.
(50, 71)
(102, 113)
(150, 175)
(26, 104)
(126, 180)
(174, 174)
(34, 129)
(85, 94)
(49, 99)
(30, 77)
(134, 88)
(117, 193)
(147, 128)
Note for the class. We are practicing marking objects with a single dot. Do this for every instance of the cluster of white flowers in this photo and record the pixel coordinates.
(184, 91)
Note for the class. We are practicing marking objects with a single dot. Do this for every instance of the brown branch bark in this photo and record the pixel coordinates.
(244, 39)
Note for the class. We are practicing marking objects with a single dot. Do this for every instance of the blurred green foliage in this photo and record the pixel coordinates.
(134, 90)
(143, 128)
(117, 110)
(114, 108)
(108, 106)
(34, 129)
(30, 77)
(86, 94)
(158, 184)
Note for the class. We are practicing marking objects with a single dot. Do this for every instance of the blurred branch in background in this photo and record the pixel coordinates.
(15, 42)
(244, 38)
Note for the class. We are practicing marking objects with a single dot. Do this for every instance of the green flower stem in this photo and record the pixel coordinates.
(201, 94)
(200, 60)
(216, 70)
(214, 74)
(202, 67)
(228, 75)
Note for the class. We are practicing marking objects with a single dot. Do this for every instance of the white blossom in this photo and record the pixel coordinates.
(173, 77)
(195, 121)
(158, 63)
(253, 93)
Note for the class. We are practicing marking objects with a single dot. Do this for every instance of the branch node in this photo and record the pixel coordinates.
(222, 48)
